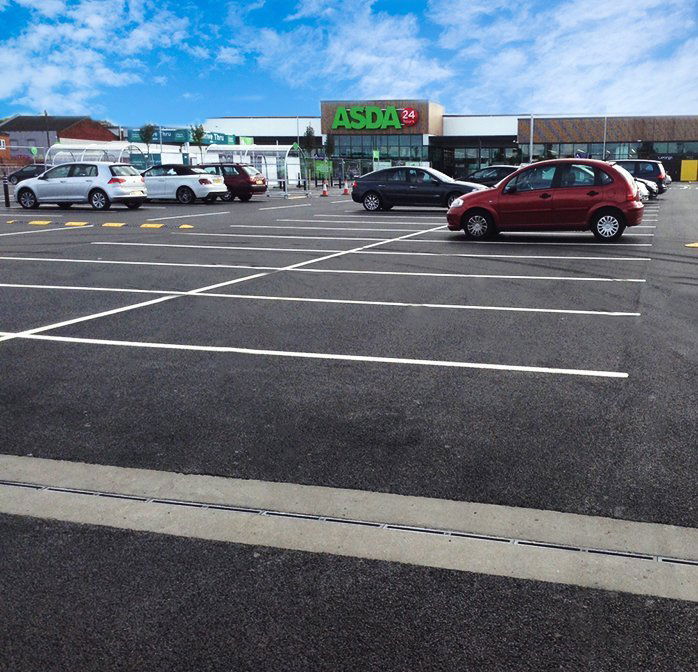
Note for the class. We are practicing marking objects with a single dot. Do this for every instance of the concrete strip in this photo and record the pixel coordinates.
(641, 577)
(551, 527)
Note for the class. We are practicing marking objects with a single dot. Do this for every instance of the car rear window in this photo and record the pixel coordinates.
(123, 170)
(251, 171)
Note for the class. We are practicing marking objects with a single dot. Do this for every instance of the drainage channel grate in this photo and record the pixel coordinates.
(349, 521)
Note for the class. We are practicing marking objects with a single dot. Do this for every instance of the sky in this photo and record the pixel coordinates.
(179, 62)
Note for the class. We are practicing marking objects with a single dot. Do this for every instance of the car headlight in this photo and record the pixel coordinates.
(457, 203)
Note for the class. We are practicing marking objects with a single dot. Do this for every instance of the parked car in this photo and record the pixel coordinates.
(183, 183)
(30, 170)
(555, 195)
(491, 175)
(643, 190)
(404, 185)
(241, 179)
(646, 170)
(652, 188)
(99, 183)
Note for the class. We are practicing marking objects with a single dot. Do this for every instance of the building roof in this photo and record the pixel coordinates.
(38, 122)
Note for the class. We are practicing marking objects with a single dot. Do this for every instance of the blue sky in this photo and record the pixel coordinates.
(180, 62)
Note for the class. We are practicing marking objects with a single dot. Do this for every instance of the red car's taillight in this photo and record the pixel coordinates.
(205, 180)
(143, 179)
(355, 185)
(117, 180)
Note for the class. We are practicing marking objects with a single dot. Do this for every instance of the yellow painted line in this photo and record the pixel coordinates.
(151, 226)
(76, 223)
(691, 244)
(114, 225)
(186, 226)
(11, 221)
(40, 222)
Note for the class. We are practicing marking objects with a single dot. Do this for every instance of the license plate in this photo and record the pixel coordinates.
(136, 193)
(217, 180)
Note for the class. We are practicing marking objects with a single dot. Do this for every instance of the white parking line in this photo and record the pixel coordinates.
(162, 299)
(33, 216)
(334, 221)
(306, 228)
(139, 263)
(280, 207)
(299, 299)
(362, 251)
(315, 355)
(58, 228)
(322, 270)
(469, 275)
(203, 214)
(392, 215)
(267, 235)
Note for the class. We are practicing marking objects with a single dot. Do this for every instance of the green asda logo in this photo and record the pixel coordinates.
(369, 117)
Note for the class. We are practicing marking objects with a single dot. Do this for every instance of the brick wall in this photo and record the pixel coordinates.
(4, 152)
(87, 130)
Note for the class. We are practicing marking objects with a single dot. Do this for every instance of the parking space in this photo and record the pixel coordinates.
(312, 342)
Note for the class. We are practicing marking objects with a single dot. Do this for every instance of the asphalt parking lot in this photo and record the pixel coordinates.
(310, 342)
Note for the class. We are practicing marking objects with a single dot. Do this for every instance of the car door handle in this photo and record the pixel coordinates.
(592, 193)
(545, 195)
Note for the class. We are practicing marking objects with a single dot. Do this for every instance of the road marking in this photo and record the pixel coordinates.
(280, 207)
(322, 270)
(21, 214)
(138, 263)
(469, 275)
(76, 223)
(333, 221)
(151, 226)
(361, 251)
(353, 302)
(185, 226)
(40, 222)
(37, 330)
(342, 201)
(203, 214)
(266, 235)
(691, 244)
(22, 233)
(35, 335)
(308, 228)
(492, 539)
(114, 225)
(10, 221)
(393, 215)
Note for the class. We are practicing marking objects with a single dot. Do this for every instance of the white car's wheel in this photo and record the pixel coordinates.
(608, 226)
(185, 196)
(99, 200)
(27, 199)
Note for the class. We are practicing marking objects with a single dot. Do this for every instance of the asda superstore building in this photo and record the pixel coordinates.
(361, 135)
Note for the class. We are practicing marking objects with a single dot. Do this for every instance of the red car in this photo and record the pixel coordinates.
(242, 180)
(557, 195)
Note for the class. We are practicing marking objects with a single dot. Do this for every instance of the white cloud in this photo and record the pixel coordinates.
(571, 57)
(370, 53)
(230, 56)
(68, 53)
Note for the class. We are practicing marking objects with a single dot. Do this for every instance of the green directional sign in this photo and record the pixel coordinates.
(34, 151)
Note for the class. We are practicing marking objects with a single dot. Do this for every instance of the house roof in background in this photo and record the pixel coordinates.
(38, 122)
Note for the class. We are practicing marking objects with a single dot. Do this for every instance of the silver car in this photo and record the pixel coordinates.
(98, 183)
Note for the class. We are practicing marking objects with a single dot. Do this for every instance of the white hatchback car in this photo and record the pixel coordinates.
(98, 183)
(183, 183)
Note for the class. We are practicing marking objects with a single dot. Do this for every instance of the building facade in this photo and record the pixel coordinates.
(366, 134)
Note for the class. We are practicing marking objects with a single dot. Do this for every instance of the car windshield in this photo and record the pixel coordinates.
(251, 171)
(198, 171)
(123, 170)
(441, 176)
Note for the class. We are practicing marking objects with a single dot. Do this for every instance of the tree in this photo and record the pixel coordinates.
(329, 146)
(197, 138)
(308, 140)
(147, 133)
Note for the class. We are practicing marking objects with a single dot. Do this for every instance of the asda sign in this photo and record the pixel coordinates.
(373, 118)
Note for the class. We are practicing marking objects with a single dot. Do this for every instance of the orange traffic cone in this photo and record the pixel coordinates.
(324, 189)
(346, 188)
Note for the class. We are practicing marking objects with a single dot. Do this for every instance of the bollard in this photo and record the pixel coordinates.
(6, 190)
(305, 185)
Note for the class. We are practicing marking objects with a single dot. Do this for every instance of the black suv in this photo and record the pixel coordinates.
(491, 175)
(405, 185)
(645, 169)
(30, 170)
